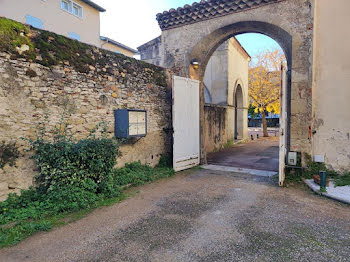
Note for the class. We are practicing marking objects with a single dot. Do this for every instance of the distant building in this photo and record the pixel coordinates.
(272, 120)
(78, 19)
(150, 51)
(114, 46)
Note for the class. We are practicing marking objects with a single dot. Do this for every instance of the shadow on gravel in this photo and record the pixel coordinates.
(162, 229)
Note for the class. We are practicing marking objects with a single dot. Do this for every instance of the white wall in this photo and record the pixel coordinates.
(331, 83)
(216, 75)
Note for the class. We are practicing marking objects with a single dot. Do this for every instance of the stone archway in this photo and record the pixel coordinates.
(205, 48)
(194, 32)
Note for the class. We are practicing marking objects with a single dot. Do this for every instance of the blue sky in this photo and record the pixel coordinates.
(133, 23)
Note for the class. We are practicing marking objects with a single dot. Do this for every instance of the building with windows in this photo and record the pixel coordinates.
(78, 19)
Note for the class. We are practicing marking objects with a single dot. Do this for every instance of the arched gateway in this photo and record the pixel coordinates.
(193, 33)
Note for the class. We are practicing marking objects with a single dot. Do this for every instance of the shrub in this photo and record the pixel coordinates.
(8, 153)
(71, 163)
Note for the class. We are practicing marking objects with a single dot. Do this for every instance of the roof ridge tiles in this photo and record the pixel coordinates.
(206, 9)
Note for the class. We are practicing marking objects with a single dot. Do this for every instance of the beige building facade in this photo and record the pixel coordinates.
(76, 19)
(116, 47)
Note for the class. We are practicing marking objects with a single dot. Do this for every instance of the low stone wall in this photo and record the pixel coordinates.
(219, 126)
(31, 93)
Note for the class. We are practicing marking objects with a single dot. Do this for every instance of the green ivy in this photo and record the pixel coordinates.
(8, 153)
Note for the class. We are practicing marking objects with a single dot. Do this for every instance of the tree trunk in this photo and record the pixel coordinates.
(266, 134)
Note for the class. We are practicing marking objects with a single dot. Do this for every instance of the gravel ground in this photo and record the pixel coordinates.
(201, 215)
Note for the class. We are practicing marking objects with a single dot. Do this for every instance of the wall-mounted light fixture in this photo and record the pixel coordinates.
(195, 63)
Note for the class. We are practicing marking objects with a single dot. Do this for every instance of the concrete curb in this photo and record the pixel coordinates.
(253, 172)
(317, 191)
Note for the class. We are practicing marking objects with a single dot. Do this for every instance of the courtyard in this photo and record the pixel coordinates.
(201, 215)
(259, 154)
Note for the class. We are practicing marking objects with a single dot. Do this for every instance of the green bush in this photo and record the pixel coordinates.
(71, 163)
(8, 153)
(136, 174)
(343, 180)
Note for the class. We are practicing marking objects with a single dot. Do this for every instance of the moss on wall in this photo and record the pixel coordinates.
(50, 49)
(13, 34)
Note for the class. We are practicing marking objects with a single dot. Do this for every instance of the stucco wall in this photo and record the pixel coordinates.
(331, 90)
(216, 75)
(238, 66)
(55, 19)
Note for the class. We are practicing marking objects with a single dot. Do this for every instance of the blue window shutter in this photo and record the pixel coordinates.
(74, 36)
(34, 22)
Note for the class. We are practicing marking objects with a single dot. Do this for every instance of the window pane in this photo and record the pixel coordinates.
(77, 10)
(65, 5)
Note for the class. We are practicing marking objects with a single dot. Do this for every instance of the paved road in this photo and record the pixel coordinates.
(201, 215)
(259, 154)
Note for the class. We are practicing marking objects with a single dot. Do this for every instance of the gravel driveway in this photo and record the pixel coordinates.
(201, 215)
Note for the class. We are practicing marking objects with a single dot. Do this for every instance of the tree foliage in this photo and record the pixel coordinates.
(264, 82)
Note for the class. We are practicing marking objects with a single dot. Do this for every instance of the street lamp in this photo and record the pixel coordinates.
(195, 63)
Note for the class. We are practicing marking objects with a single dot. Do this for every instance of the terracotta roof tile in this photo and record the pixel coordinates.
(205, 10)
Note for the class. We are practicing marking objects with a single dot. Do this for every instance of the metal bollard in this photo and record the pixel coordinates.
(323, 180)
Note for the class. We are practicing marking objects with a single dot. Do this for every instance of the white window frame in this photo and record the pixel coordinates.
(71, 4)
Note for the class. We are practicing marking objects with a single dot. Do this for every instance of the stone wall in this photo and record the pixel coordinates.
(151, 52)
(29, 91)
(219, 126)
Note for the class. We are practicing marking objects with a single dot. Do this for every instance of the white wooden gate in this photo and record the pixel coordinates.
(283, 125)
(186, 148)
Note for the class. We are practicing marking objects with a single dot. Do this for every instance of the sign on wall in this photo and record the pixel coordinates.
(130, 123)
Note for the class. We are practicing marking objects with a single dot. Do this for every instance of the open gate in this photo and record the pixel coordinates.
(186, 123)
(283, 125)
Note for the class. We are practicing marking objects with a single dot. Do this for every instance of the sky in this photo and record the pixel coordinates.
(133, 23)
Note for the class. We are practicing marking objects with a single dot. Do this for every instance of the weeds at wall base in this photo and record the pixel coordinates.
(296, 175)
(135, 174)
